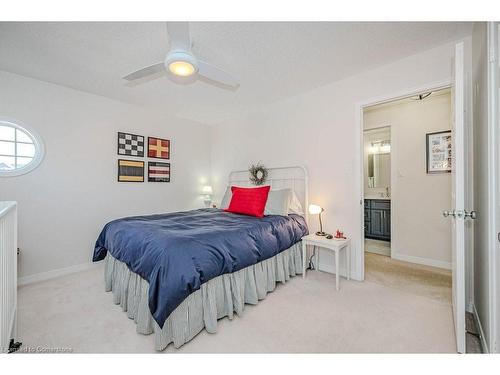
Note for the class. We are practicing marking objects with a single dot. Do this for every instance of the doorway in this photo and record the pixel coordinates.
(377, 187)
(407, 185)
(461, 192)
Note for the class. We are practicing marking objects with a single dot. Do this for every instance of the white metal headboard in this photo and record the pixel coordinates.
(293, 177)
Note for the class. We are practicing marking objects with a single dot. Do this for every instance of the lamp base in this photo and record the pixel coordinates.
(320, 234)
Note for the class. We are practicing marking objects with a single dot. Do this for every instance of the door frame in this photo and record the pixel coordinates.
(493, 72)
(359, 262)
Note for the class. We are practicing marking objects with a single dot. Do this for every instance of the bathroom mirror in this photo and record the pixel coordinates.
(379, 170)
(377, 144)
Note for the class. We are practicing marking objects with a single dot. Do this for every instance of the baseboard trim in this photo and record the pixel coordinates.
(386, 253)
(42, 276)
(330, 268)
(423, 261)
(481, 332)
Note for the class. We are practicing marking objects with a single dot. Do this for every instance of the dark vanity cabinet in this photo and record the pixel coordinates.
(378, 219)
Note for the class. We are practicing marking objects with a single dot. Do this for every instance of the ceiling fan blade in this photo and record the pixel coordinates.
(144, 72)
(178, 32)
(216, 74)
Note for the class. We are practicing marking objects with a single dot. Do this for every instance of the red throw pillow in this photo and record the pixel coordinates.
(248, 201)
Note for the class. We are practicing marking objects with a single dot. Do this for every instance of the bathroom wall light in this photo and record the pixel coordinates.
(385, 149)
(380, 147)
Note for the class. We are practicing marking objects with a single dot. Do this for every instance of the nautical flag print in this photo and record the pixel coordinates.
(158, 148)
(158, 172)
(130, 171)
(130, 144)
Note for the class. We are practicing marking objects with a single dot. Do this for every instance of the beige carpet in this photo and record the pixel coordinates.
(424, 281)
(301, 316)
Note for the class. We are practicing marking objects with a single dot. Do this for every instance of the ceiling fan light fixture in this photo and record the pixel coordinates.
(181, 64)
(181, 68)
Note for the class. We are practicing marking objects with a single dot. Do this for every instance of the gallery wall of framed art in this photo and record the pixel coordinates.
(133, 145)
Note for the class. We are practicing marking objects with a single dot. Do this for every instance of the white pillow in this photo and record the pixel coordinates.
(295, 206)
(224, 204)
(278, 202)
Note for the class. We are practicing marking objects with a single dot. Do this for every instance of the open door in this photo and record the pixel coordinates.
(493, 125)
(457, 213)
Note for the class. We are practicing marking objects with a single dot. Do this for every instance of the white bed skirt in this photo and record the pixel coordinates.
(219, 297)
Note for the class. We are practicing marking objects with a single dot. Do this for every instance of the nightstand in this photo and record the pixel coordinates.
(334, 245)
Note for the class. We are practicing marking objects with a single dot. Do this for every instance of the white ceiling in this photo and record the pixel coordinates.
(271, 60)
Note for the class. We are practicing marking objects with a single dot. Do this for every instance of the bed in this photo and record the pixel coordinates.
(176, 274)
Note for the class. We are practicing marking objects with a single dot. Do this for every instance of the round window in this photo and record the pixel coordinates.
(21, 149)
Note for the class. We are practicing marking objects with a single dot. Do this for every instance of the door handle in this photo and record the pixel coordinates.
(447, 213)
(460, 214)
(471, 215)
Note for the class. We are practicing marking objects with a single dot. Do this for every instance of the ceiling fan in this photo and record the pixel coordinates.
(181, 62)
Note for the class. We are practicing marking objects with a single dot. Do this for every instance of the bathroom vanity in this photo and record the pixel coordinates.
(378, 219)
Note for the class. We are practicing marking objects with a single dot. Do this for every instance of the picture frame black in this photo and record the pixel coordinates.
(141, 155)
(124, 178)
(152, 164)
(169, 152)
(438, 150)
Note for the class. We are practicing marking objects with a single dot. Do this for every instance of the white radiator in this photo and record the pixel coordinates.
(8, 274)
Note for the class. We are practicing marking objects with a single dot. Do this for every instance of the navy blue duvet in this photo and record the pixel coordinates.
(177, 252)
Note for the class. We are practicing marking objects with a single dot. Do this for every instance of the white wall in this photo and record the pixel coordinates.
(65, 202)
(419, 231)
(319, 130)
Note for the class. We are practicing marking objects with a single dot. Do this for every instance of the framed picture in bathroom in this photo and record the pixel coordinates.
(438, 152)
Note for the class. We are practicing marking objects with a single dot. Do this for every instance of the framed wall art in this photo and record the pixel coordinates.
(130, 171)
(158, 171)
(439, 152)
(158, 148)
(130, 144)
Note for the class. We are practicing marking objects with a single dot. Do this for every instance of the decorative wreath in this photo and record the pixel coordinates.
(258, 174)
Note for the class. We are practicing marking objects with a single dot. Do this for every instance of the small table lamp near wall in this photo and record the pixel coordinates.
(315, 210)
(207, 192)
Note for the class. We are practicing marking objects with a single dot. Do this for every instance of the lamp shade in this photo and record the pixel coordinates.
(315, 209)
(207, 189)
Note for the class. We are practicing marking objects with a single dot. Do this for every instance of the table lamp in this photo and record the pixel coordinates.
(315, 210)
(207, 192)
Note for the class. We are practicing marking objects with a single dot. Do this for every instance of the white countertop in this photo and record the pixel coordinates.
(379, 198)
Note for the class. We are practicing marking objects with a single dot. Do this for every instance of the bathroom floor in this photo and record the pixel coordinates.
(378, 247)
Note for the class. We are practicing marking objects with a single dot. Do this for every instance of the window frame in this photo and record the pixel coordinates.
(37, 142)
